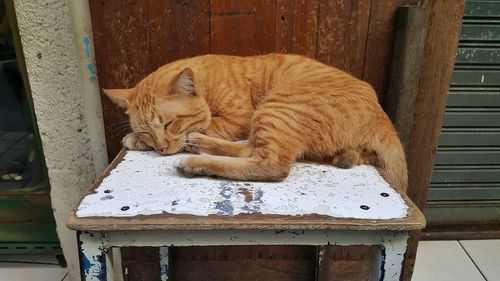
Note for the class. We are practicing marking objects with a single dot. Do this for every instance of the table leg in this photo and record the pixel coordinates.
(93, 258)
(164, 263)
(393, 252)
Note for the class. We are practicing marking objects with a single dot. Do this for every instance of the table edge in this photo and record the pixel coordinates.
(415, 220)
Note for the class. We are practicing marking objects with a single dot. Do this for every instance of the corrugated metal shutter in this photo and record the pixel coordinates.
(467, 168)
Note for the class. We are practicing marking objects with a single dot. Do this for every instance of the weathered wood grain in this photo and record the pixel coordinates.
(242, 28)
(380, 38)
(342, 34)
(411, 31)
(134, 38)
(437, 66)
(353, 263)
(140, 263)
(296, 27)
(244, 263)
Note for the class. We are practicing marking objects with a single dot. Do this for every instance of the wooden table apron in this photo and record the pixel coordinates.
(94, 247)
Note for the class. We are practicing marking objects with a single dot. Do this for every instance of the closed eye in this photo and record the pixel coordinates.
(167, 124)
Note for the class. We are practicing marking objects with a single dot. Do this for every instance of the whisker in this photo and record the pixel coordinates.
(121, 121)
(120, 129)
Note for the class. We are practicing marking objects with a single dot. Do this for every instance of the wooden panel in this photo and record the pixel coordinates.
(437, 65)
(242, 28)
(380, 37)
(244, 263)
(342, 32)
(411, 30)
(354, 263)
(133, 38)
(296, 27)
(140, 264)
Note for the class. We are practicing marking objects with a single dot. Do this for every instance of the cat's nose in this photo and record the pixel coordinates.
(163, 149)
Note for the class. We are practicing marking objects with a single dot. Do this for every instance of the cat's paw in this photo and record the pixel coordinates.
(132, 142)
(183, 167)
(194, 143)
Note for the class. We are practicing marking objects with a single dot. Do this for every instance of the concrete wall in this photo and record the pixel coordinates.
(56, 38)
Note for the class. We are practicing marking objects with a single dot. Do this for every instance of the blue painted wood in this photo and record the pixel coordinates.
(92, 258)
(164, 263)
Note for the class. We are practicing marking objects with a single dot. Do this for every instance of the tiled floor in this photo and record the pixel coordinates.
(466, 260)
(31, 267)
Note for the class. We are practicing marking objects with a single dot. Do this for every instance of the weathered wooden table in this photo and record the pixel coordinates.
(140, 200)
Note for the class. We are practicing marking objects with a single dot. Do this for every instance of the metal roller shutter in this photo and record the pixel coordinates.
(465, 185)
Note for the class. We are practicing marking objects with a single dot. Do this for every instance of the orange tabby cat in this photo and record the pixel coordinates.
(288, 107)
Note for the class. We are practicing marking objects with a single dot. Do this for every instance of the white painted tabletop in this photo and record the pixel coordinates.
(145, 183)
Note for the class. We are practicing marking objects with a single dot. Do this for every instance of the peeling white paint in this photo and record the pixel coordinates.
(145, 183)
(92, 258)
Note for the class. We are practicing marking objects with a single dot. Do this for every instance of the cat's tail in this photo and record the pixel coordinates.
(391, 162)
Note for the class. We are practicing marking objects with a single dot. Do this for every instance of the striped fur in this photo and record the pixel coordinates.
(289, 108)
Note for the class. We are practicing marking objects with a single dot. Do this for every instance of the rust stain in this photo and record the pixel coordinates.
(245, 192)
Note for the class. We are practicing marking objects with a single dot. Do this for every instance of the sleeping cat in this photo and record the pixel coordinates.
(288, 107)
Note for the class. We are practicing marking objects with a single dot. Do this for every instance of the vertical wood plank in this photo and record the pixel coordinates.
(244, 28)
(178, 29)
(141, 263)
(411, 31)
(353, 263)
(380, 38)
(437, 67)
(342, 33)
(296, 27)
(133, 38)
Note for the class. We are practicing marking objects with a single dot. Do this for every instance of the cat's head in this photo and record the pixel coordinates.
(163, 108)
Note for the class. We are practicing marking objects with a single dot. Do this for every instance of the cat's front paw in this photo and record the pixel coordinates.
(186, 169)
(194, 143)
(132, 142)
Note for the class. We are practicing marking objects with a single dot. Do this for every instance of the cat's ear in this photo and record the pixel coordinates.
(121, 97)
(185, 82)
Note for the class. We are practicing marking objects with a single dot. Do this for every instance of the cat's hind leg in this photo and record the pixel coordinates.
(346, 158)
(203, 144)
